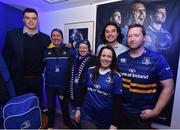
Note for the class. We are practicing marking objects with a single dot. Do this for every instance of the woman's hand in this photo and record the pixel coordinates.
(77, 115)
(112, 127)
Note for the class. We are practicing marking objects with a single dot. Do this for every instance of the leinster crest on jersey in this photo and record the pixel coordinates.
(146, 61)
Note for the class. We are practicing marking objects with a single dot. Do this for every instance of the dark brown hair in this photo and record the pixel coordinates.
(30, 10)
(113, 66)
(119, 38)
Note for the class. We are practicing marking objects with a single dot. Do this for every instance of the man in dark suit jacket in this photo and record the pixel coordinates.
(23, 54)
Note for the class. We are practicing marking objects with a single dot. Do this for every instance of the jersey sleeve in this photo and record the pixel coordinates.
(117, 84)
(163, 69)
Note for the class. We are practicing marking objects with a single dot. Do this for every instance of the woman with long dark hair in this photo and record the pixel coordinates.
(102, 83)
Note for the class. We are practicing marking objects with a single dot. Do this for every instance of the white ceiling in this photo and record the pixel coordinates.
(43, 5)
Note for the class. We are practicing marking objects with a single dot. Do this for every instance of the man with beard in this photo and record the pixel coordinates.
(143, 72)
(158, 38)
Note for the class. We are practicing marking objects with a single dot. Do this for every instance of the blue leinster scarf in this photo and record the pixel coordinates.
(76, 73)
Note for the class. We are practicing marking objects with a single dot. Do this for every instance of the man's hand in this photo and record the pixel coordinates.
(68, 45)
(149, 114)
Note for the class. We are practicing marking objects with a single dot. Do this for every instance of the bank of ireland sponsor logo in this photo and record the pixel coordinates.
(131, 70)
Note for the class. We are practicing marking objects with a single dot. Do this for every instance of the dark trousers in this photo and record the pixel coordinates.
(132, 121)
(85, 124)
(1, 116)
(51, 100)
(31, 85)
(1, 123)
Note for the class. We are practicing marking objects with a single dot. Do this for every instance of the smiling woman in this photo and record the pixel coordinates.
(106, 59)
(102, 83)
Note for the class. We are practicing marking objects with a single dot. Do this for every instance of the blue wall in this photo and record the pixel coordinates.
(10, 18)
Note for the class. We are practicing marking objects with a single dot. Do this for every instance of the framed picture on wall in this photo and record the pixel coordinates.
(75, 32)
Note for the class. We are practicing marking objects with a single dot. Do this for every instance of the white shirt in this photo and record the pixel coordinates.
(118, 48)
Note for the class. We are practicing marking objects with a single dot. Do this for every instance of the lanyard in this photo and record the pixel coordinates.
(55, 50)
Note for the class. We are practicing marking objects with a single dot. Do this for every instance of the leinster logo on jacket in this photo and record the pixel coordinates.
(49, 53)
(64, 53)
